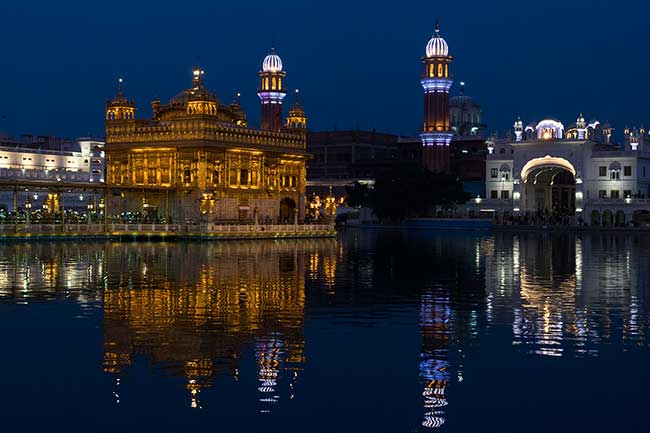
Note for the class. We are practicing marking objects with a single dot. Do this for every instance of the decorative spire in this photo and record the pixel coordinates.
(197, 77)
(120, 90)
(462, 88)
(437, 46)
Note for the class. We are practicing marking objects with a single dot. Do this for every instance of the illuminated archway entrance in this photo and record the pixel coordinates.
(548, 185)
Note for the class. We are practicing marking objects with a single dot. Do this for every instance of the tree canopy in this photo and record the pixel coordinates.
(408, 191)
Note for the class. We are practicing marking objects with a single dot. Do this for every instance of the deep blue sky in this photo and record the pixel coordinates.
(357, 63)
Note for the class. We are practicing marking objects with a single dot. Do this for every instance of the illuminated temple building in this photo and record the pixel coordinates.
(198, 160)
(574, 171)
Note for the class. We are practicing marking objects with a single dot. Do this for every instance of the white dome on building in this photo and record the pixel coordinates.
(437, 46)
(272, 62)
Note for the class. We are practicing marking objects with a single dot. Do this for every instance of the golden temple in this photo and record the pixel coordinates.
(196, 159)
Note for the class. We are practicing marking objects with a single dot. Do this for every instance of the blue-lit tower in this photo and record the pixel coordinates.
(271, 91)
(436, 81)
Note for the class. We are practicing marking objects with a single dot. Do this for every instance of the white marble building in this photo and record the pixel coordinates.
(49, 159)
(576, 172)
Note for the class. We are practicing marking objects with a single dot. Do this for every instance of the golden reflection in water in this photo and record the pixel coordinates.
(215, 300)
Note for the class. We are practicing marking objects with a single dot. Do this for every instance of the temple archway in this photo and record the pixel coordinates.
(287, 210)
(548, 185)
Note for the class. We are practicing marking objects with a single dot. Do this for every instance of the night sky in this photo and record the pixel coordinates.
(357, 63)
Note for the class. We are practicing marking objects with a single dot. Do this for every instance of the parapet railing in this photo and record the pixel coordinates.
(164, 228)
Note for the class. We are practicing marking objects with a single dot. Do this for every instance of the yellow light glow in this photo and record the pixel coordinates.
(547, 161)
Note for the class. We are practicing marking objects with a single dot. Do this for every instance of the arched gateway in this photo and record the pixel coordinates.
(548, 184)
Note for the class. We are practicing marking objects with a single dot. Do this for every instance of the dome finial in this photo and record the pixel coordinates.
(197, 77)
(437, 46)
(120, 89)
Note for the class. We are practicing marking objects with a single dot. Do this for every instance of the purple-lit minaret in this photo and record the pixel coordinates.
(436, 81)
(271, 91)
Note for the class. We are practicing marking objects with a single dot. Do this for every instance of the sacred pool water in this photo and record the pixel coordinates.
(371, 332)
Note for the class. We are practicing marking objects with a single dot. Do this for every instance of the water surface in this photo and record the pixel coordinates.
(373, 331)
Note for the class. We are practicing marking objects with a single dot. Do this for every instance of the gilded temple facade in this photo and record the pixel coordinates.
(197, 160)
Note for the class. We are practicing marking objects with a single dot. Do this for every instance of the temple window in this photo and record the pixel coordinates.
(440, 70)
(273, 83)
(187, 176)
(215, 176)
(243, 177)
(446, 71)
(431, 74)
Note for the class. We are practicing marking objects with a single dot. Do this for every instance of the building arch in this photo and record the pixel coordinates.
(615, 170)
(608, 218)
(595, 218)
(287, 210)
(641, 217)
(546, 161)
(619, 218)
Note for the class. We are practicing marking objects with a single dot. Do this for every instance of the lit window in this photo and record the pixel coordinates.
(440, 70)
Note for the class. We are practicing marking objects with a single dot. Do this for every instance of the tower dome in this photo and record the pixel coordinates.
(437, 46)
(272, 62)
(297, 117)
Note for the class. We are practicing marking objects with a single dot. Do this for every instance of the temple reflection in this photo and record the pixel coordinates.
(46, 271)
(562, 293)
(229, 314)
(214, 302)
